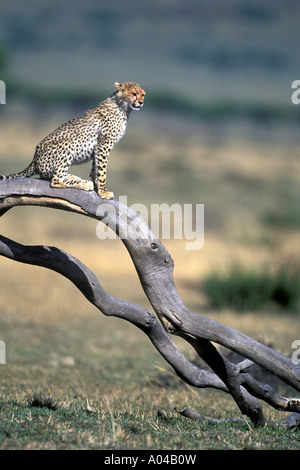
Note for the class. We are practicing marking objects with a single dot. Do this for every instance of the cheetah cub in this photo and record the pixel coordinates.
(89, 137)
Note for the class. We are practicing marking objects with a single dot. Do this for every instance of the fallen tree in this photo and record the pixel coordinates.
(154, 266)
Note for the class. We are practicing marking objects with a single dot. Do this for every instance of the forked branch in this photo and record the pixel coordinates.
(154, 266)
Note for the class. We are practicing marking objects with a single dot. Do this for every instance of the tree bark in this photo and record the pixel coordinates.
(154, 266)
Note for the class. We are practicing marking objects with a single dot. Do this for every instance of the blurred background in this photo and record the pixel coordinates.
(218, 128)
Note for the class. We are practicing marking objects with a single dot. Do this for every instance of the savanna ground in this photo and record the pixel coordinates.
(77, 380)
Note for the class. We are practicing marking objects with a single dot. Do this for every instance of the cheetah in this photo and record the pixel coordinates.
(89, 137)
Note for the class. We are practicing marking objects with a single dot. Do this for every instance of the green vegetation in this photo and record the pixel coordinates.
(159, 99)
(77, 380)
(222, 109)
(3, 59)
(229, 58)
(252, 290)
(128, 424)
(288, 219)
(73, 378)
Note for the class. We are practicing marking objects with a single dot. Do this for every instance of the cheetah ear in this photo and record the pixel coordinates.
(118, 85)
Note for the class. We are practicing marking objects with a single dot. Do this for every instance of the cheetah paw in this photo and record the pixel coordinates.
(89, 186)
(106, 194)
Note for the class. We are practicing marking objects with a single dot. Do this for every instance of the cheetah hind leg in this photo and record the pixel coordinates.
(71, 181)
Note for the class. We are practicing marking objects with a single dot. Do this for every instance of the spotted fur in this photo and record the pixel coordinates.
(89, 137)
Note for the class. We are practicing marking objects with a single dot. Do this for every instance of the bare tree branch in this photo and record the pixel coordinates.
(154, 266)
(86, 281)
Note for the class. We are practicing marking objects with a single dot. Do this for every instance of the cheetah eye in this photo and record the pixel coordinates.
(134, 94)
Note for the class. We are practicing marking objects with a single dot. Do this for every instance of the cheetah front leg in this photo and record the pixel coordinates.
(99, 169)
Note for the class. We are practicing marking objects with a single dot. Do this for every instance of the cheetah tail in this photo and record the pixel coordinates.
(29, 171)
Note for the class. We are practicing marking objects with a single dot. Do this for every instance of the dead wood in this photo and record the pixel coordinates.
(154, 266)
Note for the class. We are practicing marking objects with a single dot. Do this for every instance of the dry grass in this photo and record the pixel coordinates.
(60, 346)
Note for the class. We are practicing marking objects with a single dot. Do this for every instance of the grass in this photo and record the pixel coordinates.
(286, 219)
(3, 58)
(77, 380)
(162, 99)
(38, 401)
(74, 379)
(129, 421)
(249, 290)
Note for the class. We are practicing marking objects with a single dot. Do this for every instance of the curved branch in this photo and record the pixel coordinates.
(85, 280)
(154, 266)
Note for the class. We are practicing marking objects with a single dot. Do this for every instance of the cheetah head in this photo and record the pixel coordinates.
(130, 95)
